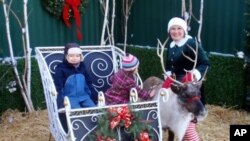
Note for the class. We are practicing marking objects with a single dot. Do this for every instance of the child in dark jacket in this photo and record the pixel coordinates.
(71, 79)
(122, 82)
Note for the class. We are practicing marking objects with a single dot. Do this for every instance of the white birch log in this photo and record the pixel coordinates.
(6, 15)
(183, 8)
(113, 24)
(190, 12)
(105, 21)
(28, 55)
(108, 31)
(200, 21)
(126, 11)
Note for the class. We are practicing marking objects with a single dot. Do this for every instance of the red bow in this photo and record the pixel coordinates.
(167, 83)
(188, 77)
(121, 114)
(72, 4)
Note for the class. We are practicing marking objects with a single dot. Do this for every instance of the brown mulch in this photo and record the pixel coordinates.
(19, 126)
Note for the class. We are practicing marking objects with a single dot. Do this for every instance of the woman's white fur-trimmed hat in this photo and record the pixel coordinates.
(178, 21)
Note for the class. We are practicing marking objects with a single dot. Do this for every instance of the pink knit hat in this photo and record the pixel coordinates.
(129, 62)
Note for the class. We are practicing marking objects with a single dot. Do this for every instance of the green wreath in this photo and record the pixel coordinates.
(55, 7)
(123, 117)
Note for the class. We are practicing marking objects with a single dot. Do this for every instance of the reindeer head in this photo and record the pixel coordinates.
(189, 97)
(188, 92)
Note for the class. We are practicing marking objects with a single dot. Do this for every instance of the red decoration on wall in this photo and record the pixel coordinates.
(72, 5)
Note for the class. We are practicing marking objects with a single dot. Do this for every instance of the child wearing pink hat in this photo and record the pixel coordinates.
(122, 82)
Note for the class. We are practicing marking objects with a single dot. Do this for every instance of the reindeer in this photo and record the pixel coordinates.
(183, 99)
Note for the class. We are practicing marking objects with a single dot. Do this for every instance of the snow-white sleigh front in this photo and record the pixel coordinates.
(101, 62)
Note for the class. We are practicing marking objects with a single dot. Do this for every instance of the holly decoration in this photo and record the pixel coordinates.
(68, 10)
(115, 117)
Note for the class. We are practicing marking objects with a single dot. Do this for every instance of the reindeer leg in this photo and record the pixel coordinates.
(170, 135)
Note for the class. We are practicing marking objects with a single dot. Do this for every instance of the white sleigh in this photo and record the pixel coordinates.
(101, 62)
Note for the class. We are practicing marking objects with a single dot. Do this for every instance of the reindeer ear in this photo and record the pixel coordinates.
(175, 88)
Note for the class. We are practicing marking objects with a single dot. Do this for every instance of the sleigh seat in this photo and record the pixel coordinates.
(101, 63)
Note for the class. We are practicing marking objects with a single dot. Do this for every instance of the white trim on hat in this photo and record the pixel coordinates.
(74, 50)
(178, 21)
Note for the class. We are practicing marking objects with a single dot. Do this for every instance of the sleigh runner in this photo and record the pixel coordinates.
(101, 62)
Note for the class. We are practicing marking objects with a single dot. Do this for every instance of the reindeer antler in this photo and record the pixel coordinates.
(203, 77)
(195, 51)
(160, 51)
(189, 58)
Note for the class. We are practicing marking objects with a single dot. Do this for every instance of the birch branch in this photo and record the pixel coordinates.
(113, 24)
(28, 54)
(183, 7)
(126, 10)
(190, 12)
(24, 48)
(105, 22)
(200, 21)
(6, 15)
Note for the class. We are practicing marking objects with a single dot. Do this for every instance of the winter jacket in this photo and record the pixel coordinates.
(176, 63)
(73, 82)
(122, 82)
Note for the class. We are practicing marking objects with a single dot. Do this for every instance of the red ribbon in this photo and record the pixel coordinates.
(187, 78)
(121, 114)
(73, 5)
(167, 83)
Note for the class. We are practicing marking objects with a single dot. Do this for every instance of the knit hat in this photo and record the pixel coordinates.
(72, 48)
(178, 21)
(129, 62)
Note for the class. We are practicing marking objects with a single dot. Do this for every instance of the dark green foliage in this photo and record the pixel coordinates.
(37, 94)
(15, 100)
(149, 62)
(247, 89)
(247, 52)
(225, 82)
(9, 99)
(37, 87)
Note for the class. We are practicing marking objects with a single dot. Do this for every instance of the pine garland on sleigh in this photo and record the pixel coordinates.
(122, 117)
